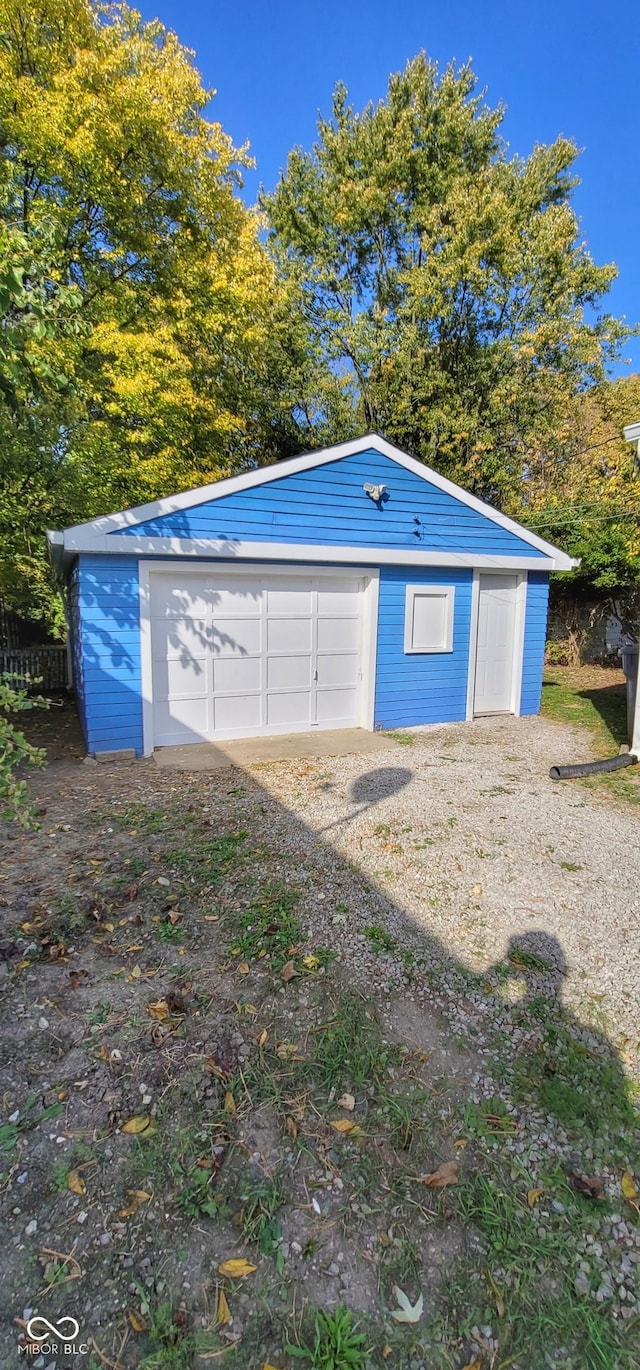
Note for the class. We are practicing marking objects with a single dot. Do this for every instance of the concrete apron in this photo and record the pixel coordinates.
(246, 751)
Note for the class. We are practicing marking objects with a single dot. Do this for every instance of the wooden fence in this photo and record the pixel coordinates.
(18, 632)
(40, 670)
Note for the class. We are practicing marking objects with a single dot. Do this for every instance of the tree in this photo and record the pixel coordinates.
(156, 345)
(585, 495)
(456, 307)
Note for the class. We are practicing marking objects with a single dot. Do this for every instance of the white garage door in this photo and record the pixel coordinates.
(238, 655)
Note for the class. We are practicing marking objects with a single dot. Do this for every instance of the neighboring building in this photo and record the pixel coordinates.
(347, 587)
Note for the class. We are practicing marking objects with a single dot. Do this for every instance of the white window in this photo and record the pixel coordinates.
(428, 619)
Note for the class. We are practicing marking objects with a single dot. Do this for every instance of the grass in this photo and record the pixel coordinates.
(505, 1261)
(207, 859)
(590, 698)
(268, 928)
(380, 939)
(337, 1345)
(403, 739)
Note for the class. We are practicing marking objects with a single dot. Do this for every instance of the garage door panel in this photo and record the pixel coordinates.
(181, 720)
(288, 672)
(235, 600)
(236, 674)
(337, 634)
(337, 707)
(339, 669)
(335, 600)
(289, 601)
(174, 677)
(180, 637)
(289, 635)
(231, 713)
(190, 597)
(236, 636)
(290, 709)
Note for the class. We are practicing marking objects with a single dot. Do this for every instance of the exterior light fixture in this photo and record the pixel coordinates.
(375, 492)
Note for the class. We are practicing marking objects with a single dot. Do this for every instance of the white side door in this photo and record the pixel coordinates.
(495, 647)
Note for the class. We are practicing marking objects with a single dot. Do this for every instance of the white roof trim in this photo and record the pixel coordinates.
(189, 499)
(82, 539)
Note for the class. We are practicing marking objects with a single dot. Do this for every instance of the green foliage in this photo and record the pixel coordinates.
(584, 492)
(146, 343)
(15, 752)
(336, 1344)
(269, 926)
(448, 284)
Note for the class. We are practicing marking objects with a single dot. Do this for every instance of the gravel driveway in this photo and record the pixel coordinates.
(465, 842)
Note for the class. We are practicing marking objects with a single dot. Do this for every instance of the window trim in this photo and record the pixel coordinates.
(412, 591)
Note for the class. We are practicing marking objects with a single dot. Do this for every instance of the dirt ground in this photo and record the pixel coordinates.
(321, 1019)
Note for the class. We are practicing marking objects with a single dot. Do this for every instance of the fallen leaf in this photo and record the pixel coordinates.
(137, 1321)
(264, 1037)
(287, 1051)
(473, 1365)
(174, 917)
(311, 962)
(477, 889)
(346, 1125)
(496, 1294)
(533, 1195)
(591, 1187)
(244, 968)
(158, 1008)
(236, 1268)
(446, 1174)
(287, 973)
(223, 1311)
(141, 1122)
(131, 893)
(291, 1126)
(215, 1069)
(407, 1312)
(136, 973)
(76, 1183)
(136, 1198)
(264, 1365)
(347, 1101)
(229, 1102)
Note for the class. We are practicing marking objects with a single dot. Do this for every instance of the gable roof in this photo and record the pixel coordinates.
(94, 534)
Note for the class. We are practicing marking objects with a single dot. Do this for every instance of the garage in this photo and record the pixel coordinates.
(238, 653)
(347, 587)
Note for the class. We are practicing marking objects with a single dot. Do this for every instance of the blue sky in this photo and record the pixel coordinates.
(560, 66)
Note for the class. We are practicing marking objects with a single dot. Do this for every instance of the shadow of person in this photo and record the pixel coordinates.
(568, 1068)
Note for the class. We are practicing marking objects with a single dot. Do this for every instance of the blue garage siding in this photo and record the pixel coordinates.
(76, 645)
(109, 634)
(535, 631)
(326, 504)
(429, 688)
